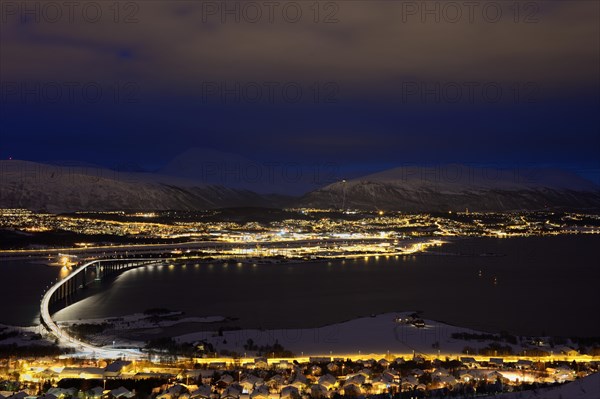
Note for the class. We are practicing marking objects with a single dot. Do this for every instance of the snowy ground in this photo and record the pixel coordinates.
(147, 324)
(585, 388)
(379, 334)
(24, 336)
(141, 320)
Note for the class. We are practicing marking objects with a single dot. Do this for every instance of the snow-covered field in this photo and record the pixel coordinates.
(147, 325)
(585, 388)
(378, 334)
(141, 320)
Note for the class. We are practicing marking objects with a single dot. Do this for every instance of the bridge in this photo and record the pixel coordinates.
(58, 295)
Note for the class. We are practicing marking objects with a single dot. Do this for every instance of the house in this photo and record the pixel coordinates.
(94, 393)
(260, 393)
(250, 382)
(319, 391)
(440, 372)
(203, 392)
(327, 380)
(352, 389)
(166, 395)
(274, 382)
(82, 372)
(332, 367)
(496, 361)
(467, 377)
(470, 362)
(407, 385)
(446, 380)
(231, 393)
(224, 381)
(417, 372)
(284, 365)
(122, 392)
(379, 386)
(300, 381)
(419, 323)
(568, 351)
(523, 364)
(115, 369)
(563, 374)
(357, 378)
(261, 363)
(390, 376)
(290, 392)
(493, 376)
(62, 393)
(174, 391)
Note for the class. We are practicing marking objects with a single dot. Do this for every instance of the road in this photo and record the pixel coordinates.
(83, 348)
(96, 251)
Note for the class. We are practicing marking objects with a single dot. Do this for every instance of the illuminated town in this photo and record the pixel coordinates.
(94, 358)
(328, 199)
(298, 225)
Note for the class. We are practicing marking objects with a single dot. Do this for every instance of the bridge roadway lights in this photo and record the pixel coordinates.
(67, 287)
(70, 287)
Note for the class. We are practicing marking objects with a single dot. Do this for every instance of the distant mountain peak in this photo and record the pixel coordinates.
(55, 188)
(456, 187)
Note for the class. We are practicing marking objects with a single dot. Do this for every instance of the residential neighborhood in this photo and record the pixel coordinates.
(262, 378)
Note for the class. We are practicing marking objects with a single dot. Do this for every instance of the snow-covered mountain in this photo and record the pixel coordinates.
(457, 187)
(87, 188)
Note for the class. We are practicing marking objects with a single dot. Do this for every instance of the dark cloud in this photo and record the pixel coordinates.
(164, 65)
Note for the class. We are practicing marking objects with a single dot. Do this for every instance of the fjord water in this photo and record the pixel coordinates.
(529, 286)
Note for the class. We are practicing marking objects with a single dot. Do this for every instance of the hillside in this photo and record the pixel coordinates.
(78, 188)
(455, 188)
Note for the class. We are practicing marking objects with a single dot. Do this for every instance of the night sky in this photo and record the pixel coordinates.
(360, 85)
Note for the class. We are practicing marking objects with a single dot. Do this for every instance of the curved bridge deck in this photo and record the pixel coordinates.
(76, 280)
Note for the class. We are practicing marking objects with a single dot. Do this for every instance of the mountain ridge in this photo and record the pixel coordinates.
(57, 188)
(67, 188)
(458, 187)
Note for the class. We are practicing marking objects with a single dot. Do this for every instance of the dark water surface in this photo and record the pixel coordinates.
(543, 285)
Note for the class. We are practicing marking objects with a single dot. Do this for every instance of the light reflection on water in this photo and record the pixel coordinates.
(446, 287)
(64, 272)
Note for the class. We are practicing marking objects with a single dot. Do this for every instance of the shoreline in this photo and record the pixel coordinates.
(323, 318)
(375, 334)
